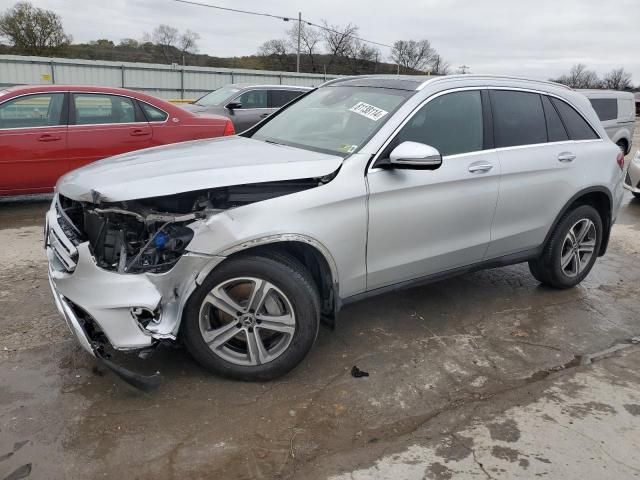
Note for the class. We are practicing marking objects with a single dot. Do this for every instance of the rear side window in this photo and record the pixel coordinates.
(152, 113)
(606, 108)
(452, 123)
(518, 118)
(43, 110)
(282, 97)
(93, 108)
(577, 127)
(555, 129)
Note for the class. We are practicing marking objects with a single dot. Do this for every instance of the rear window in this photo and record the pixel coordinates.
(152, 113)
(555, 129)
(282, 97)
(606, 108)
(577, 127)
(518, 118)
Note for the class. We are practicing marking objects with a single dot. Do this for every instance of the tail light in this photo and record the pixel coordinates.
(228, 129)
(620, 160)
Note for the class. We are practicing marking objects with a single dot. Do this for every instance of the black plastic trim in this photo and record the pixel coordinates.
(511, 259)
(606, 225)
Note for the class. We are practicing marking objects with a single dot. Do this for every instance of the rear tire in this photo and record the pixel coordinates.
(571, 251)
(254, 318)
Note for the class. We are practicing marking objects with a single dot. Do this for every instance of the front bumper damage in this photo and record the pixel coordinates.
(125, 311)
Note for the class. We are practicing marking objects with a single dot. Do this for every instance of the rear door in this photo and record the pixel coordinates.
(255, 107)
(542, 143)
(33, 134)
(102, 125)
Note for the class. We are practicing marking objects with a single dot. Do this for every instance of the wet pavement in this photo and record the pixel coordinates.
(487, 375)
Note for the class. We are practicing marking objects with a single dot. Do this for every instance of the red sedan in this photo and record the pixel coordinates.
(48, 130)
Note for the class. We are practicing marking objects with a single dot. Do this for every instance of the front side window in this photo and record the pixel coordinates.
(42, 110)
(333, 119)
(577, 126)
(606, 108)
(253, 99)
(518, 118)
(94, 108)
(451, 123)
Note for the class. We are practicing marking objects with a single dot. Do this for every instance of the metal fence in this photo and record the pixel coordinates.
(164, 81)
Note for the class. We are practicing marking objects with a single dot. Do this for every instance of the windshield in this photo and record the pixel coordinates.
(336, 119)
(217, 97)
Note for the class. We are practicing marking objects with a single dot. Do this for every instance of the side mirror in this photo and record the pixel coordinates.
(414, 155)
(234, 105)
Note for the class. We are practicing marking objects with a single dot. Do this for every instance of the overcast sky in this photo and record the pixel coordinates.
(539, 39)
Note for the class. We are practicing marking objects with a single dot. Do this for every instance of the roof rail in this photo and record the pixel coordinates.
(482, 76)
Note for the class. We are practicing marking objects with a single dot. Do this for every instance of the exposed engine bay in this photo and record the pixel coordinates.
(151, 234)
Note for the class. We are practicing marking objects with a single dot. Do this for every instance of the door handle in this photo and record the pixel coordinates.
(566, 157)
(138, 132)
(46, 137)
(480, 167)
(264, 115)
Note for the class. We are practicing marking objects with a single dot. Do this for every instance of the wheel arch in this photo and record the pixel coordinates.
(598, 197)
(308, 251)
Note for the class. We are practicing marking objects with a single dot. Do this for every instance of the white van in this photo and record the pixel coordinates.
(616, 111)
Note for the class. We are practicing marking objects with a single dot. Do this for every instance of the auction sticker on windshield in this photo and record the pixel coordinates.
(369, 111)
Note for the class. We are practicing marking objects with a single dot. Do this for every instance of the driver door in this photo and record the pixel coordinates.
(424, 222)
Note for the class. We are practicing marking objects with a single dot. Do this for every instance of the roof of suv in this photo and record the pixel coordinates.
(418, 82)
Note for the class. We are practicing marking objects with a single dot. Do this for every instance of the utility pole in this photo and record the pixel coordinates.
(299, 32)
(463, 69)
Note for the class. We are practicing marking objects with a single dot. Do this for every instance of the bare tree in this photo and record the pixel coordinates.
(338, 40)
(617, 79)
(309, 41)
(359, 56)
(188, 42)
(166, 37)
(412, 55)
(580, 77)
(33, 30)
(277, 50)
(438, 65)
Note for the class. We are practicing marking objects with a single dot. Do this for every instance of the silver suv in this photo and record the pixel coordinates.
(239, 246)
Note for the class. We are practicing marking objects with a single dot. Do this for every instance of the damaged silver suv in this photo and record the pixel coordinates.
(239, 246)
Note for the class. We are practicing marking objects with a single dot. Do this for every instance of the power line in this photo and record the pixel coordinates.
(286, 19)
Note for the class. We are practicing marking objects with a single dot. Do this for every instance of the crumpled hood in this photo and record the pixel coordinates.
(190, 166)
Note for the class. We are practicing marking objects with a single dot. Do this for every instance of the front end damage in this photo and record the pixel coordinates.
(121, 272)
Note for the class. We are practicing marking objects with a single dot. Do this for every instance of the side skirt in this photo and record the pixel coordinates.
(511, 259)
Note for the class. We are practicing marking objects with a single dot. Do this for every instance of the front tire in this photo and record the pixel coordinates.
(254, 318)
(571, 251)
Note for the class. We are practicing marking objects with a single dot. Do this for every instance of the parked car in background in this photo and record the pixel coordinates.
(48, 130)
(239, 246)
(616, 111)
(632, 178)
(245, 104)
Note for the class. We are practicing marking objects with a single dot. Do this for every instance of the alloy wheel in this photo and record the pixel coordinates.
(578, 247)
(247, 321)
